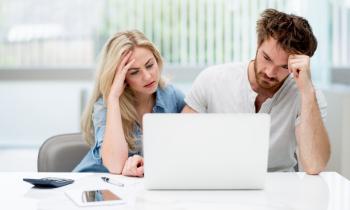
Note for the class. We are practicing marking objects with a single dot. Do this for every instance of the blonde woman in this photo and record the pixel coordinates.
(128, 85)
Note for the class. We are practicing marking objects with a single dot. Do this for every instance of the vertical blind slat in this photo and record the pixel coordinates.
(335, 33)
(192, 32)
(183, 31)
(210, 32)
(344, 35)
(236, 30)
(227, 27)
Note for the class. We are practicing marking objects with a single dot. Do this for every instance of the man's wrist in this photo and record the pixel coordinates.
(308, 94)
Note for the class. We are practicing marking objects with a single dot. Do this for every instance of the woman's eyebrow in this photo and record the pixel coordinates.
(148, 61)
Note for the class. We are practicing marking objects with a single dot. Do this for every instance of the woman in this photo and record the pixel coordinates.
(128, 85)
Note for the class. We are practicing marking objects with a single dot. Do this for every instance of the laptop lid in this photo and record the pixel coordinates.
(205, 151)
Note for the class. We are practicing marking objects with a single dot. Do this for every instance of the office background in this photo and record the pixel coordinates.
(48, 51)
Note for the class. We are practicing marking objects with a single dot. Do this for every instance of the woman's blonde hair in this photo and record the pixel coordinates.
(111, 55)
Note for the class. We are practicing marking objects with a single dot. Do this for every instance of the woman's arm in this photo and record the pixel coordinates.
(114, 147)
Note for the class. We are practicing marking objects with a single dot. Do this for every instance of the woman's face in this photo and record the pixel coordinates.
(143, 76)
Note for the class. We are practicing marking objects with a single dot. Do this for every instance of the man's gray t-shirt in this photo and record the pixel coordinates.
(226, 89)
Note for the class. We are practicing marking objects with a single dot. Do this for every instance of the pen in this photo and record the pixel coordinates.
(112, 181)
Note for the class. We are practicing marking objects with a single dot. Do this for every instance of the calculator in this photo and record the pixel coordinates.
(49, 182)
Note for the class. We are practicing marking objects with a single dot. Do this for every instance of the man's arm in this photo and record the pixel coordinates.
(188, 109)
(312, 137)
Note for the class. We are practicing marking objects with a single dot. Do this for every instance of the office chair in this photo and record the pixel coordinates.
(62, 153)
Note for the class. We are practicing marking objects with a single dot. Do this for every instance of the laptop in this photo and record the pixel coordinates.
(205, 151)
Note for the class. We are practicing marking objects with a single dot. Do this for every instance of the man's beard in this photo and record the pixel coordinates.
(264, 81)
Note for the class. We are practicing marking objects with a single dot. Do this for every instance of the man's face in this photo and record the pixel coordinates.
(271, 65)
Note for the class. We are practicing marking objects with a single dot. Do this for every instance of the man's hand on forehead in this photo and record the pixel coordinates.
(299, 66)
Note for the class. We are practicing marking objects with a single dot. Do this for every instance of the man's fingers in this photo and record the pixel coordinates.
(296, 68)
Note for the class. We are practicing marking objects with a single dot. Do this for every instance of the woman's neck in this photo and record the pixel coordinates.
(144, 104)
(145, 100)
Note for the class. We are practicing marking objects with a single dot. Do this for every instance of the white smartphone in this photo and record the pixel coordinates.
(95, 197)
(99, 196)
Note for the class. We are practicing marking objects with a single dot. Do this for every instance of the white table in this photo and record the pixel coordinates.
(284, 191)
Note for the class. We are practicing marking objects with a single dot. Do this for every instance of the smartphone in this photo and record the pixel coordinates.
(96, 197)
(99, 196)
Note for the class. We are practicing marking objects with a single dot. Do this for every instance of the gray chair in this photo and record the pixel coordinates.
(62, 153)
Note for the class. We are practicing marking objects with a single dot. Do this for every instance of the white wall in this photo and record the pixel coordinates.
(33, 111)
(338, 125)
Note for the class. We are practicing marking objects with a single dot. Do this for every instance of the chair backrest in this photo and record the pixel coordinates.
(62, 153)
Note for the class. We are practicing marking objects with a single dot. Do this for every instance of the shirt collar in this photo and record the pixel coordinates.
(287, 82)
(159, 98)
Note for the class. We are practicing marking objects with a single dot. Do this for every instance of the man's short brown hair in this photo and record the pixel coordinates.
(293, 33)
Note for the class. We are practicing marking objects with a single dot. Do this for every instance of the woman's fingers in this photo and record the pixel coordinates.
(124, 60)
(127, 66)
(133, 166)
(120, 76)
(136, 159)
(122, 64)
(139, 167)
(123, 68)
(127, 167)
(140, 171)
(119, 81)
(138, 164)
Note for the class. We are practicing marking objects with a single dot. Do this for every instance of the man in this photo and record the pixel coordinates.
(277, 82)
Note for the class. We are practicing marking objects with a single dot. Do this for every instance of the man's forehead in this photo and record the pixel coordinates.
(272, 46)
(274, 51)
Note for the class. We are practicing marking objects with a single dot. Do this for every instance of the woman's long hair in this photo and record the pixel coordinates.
(111, 55)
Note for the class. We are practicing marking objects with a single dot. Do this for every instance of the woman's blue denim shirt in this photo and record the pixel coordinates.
(168, 100)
